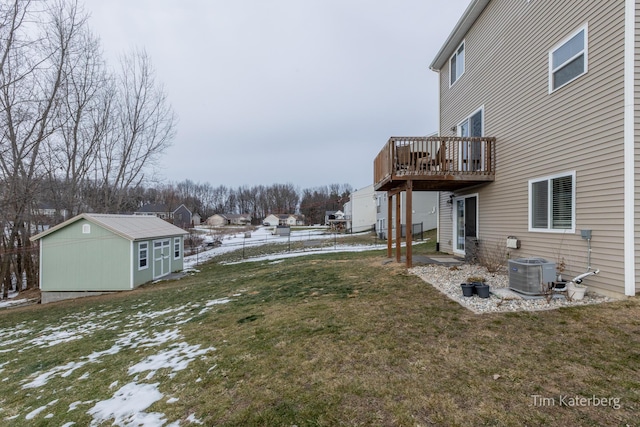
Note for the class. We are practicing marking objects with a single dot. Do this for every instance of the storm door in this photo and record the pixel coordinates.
(466, 223)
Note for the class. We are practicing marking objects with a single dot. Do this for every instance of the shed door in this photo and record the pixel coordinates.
(161, 258)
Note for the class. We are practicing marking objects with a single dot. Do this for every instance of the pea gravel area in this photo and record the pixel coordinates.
(447, 279)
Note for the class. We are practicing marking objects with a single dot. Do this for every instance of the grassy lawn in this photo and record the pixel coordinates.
(327, 340)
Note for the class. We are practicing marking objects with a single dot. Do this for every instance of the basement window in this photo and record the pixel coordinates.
(552, 203)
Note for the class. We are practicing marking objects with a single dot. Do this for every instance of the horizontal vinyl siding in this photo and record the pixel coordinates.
(446, 225)
(579, 127)
(73, 261)
(146, 274)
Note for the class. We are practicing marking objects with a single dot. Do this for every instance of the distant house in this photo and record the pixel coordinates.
(220, 220)
(91, 254)
(360, 210)
(271, 220)
(180, 216)
(425, 215)
(335, 219)
(48, 210)
(158, 209)
(196, 219)
(283, 219)
(293, 219)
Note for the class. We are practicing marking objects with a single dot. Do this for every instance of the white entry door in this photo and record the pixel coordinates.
(161, 258)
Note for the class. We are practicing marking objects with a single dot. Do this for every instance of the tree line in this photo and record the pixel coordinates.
(258, 200)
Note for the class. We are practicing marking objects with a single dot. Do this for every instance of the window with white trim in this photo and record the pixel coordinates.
(86, 228)
(552, 203)
(568, 60)
(456, 65)
(176, 247)
(143, 255)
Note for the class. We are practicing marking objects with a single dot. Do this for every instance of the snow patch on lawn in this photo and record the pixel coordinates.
(130, 340)
(31, 415)
(176, 358)
(127, 407)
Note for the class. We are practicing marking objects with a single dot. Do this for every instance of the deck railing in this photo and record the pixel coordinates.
(432, 158)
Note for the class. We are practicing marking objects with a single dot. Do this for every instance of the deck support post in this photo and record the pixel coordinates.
(409, 221)
(389, 223)
(398, 229)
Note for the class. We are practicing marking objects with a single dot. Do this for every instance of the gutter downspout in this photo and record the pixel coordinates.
(439, 134)
(629, 149)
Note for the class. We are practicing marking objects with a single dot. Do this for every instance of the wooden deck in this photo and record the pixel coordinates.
(434, 163)
(408, 164)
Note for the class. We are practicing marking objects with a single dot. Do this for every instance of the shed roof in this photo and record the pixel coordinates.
(131, 227)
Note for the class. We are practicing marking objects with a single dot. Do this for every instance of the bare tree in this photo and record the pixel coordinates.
(142, 127)
(83, 123)
(36, 47)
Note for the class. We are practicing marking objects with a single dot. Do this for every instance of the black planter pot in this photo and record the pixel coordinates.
(482, 290)
(559, 286)
(467, 289)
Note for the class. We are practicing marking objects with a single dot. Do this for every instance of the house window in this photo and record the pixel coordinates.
(456, 65)
(176, 248)
(143, 255)
(568, 60)
(552, 203)
(86, 228)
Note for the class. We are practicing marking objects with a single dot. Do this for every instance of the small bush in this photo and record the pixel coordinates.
(493, 255)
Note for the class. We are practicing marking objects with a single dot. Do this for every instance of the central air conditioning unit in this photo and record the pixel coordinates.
(529, 275)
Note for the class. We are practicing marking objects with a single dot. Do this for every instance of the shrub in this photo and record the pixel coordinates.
(493, 255)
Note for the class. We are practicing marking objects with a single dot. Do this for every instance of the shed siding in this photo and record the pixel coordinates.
(145, 275)
(576, 128)
(177, 264)
(73, 261)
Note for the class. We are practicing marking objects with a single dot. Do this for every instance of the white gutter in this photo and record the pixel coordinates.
(629, 149)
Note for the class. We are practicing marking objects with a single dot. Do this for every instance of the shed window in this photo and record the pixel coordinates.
(86, 228)
(143, 255)
(568, 61)
(552, 203)
(176, 248)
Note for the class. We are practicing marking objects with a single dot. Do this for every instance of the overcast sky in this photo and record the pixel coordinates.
(285, 91)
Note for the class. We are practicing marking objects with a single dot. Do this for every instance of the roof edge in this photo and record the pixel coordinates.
(95, 220)
(467, 20)
(58, 227)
